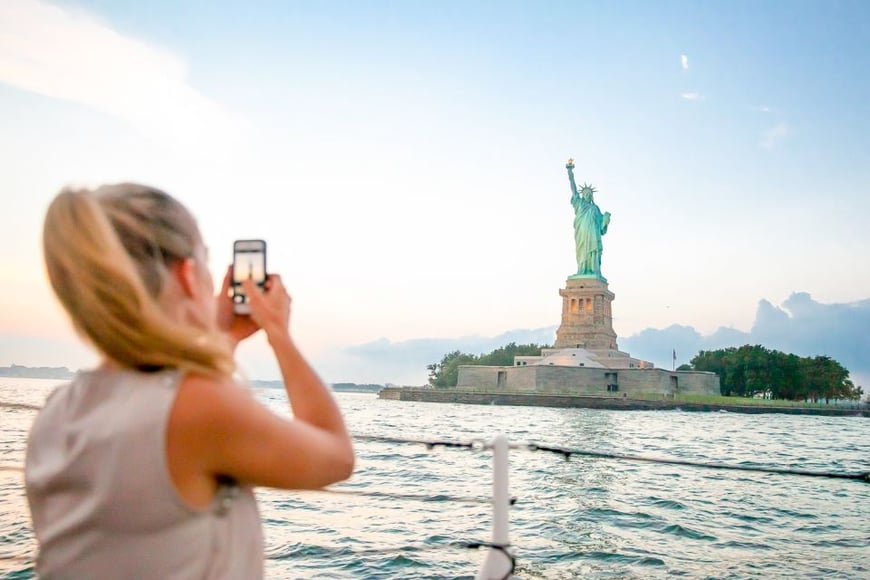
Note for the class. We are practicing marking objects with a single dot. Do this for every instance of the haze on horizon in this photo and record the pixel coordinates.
(405, 164)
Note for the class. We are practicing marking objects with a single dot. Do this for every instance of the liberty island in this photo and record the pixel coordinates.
(585, 367)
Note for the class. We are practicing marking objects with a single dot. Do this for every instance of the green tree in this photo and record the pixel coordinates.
(504, 356)
(753, 369)
(446, 372)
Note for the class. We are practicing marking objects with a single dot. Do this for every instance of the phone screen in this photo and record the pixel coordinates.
(249, 263)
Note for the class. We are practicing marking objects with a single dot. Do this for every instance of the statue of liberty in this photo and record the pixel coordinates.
(589, 225)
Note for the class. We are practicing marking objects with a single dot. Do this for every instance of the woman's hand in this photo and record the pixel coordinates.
(270, 308)
(238, 327)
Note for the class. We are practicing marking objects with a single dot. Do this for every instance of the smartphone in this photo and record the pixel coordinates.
(249, 263)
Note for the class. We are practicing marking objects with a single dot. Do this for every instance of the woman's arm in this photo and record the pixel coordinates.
(310, 399)
(217, 428)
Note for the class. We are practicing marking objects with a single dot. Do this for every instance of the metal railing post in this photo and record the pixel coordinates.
(497, 564)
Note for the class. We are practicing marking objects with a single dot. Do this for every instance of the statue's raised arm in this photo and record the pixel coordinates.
(570, 167)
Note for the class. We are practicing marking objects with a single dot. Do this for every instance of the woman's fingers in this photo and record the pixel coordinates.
(253, 293)
(270, 307)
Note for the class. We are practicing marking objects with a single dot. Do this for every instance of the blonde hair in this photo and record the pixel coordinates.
(107, 254)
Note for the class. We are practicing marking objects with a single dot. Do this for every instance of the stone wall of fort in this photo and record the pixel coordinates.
(586, 381)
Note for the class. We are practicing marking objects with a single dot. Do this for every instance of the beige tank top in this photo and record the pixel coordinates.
(101, 498)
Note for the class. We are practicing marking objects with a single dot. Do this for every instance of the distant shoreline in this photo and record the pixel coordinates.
(338, 387)
(23, 372)
(429, 395)
(65, 374)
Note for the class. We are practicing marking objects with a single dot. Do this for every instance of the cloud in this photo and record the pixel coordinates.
(684, 61)
(71, 55)
(692, 96)
(405, 362)
(800, 325)
(775, 135)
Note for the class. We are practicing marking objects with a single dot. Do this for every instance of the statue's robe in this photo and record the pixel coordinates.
(589, 225)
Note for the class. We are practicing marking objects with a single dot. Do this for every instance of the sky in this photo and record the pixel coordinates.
(405, 162)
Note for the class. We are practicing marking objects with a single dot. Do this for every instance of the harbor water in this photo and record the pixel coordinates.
(408, 510)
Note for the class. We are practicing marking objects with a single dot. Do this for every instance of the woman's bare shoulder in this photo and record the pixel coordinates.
(202, 399)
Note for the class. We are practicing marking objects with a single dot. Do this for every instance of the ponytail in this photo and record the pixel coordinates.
(106, 253)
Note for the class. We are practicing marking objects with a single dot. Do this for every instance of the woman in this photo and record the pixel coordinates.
(144, 466)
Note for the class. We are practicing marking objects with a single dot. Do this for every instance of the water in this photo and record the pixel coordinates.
(587, 518)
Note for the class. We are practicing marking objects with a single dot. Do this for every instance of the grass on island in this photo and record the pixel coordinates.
(723, 400)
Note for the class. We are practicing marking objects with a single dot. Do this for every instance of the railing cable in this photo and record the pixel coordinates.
(473, 445)
(407, 496)
(432, 498)
(568, 453)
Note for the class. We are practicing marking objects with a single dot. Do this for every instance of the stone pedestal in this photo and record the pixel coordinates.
(587, 320)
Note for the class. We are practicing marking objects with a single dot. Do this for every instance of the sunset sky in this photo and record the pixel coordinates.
(405, 162)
